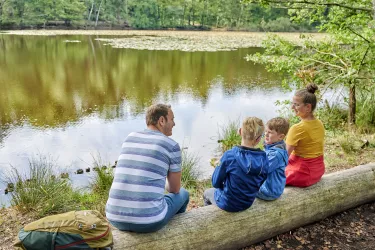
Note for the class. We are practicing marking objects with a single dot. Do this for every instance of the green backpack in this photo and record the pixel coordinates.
(86, 229)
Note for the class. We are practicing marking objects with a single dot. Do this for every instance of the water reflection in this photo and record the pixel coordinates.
(72, 100)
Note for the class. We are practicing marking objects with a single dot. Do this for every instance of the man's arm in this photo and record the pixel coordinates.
(173, 182)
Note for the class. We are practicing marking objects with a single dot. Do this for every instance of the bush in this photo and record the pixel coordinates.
(281, 24)
(366, 110)
(333, 117)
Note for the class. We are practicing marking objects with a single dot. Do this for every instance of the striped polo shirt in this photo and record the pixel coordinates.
(137, 191)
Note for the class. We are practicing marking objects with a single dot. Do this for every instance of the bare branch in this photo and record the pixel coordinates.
(333, 55)
(327, 64)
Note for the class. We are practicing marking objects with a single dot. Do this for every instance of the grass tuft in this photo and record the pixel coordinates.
(190, 172)
(42, 191)
(228, 135)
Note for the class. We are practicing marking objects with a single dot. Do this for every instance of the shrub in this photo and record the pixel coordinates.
(333, 117)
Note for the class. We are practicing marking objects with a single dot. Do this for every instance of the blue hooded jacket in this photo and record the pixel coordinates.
(237, 179)
(274, 185)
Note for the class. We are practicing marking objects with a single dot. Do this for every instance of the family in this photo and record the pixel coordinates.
(150, 164)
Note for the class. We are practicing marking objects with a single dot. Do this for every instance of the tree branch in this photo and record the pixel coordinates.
(327, 64)
(358, 34)
(333, 55)
(321, 4)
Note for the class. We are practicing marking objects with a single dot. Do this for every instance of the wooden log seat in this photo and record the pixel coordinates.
(212, 228)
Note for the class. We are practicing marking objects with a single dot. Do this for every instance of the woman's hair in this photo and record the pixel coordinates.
(154, 112)
(308, 95)
(252, 128)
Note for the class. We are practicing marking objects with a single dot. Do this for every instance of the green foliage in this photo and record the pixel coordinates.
(366, 115)
(102, 181)
(228, 135)
(146, 14)
(41, 191)
(349, 143)
(346, 60)
(190, 173)
(332, 117)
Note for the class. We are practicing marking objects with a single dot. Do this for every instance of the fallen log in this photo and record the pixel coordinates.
(211, 228)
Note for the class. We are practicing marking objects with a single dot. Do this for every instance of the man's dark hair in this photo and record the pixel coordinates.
(154, 112)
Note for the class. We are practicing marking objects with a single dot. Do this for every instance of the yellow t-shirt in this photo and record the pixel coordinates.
(307, 137)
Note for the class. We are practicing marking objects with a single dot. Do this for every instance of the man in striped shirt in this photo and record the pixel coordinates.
(137, 201)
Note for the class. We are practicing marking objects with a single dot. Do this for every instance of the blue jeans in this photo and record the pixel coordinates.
(177, 203)
(209, 197)
(260, 195)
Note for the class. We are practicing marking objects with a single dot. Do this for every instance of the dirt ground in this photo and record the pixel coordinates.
(352, 229)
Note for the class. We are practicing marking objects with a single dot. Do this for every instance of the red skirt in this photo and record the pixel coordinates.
(304, 172)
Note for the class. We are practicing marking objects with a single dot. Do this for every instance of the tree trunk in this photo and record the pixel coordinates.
(212, 228)
(352, 103)
(192, 8)
(373, 9)
(92, 7)
(97, 14)
(182, 23)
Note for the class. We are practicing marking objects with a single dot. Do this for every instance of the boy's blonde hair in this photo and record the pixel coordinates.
(252, 128)
(279, 124)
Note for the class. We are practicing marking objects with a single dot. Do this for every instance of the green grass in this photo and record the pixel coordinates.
(228, 135)
(190, 171)
(41, 191)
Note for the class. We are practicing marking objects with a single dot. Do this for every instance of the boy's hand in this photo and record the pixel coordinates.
(214, 162)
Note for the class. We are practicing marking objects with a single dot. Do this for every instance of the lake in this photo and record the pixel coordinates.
(76, 100)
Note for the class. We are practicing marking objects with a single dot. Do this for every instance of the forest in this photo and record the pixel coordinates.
(147, 14)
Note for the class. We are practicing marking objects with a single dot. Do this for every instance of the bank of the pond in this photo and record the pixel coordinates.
(173, 40)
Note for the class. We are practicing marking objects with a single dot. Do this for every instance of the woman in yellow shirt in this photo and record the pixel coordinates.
(305, 141)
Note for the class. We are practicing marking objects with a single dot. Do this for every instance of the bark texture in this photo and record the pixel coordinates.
(211, 228)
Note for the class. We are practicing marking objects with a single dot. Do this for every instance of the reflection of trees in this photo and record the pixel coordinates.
(50, 82)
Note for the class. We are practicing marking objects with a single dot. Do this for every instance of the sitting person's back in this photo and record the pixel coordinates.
(305, 142)
(137, 201)
(241, 172)
(275, 148)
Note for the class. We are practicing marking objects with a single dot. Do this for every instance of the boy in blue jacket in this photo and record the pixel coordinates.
(276, 130)
(241, 171)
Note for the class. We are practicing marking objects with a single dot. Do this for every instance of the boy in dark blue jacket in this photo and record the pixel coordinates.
(241, 171)
(276, 130)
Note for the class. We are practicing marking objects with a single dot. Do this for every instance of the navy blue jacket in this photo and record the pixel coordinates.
(274, 185)
(238, 178)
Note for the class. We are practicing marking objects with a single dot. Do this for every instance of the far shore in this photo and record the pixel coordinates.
(188, 41)
(292, 35)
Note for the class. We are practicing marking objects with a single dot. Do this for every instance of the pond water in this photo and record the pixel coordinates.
(73, 101)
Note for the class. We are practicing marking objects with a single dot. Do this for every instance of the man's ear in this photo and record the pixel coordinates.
(239, 131)
(161, 120)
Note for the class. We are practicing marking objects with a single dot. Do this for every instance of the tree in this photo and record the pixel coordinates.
(347, 58)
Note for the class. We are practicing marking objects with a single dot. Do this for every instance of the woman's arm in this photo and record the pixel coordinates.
(290, 149)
